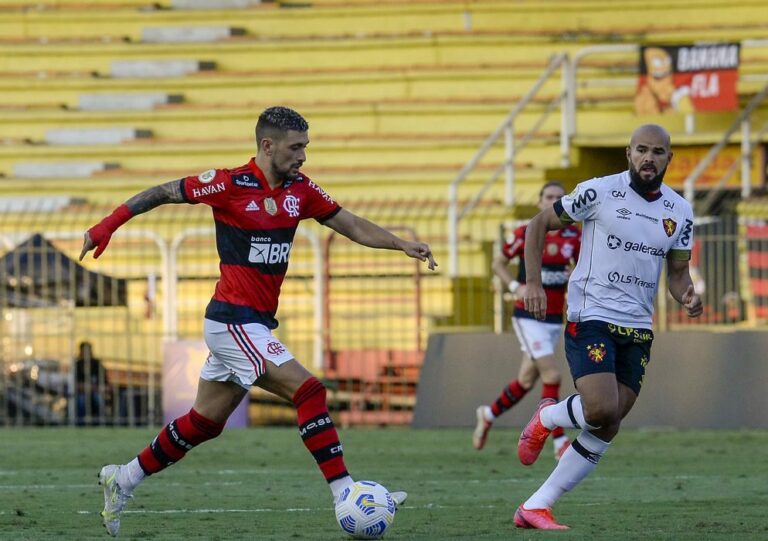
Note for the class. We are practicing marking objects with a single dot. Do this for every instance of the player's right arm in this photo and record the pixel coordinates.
(534, 297)
(511, 249)
(99, 235)
(500, 267)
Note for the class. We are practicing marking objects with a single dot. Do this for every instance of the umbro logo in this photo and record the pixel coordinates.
(252, 206)
(623, 214)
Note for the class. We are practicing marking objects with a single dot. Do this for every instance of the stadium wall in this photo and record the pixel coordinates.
(694, 380)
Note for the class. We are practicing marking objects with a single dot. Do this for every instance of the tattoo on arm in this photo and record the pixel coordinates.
(170, 192)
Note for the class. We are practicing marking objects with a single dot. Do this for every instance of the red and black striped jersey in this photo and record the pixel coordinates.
(561, 249)
(255, 226)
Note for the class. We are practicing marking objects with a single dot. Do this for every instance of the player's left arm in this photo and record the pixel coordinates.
(681, 285)
(99, 235)
(369, 234)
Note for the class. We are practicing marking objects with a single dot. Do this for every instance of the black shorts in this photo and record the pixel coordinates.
(594, 347)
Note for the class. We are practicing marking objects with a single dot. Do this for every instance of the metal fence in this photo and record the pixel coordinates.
(357, 317)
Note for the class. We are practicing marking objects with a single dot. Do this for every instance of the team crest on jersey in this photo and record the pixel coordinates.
(669, 226)
(275, 348)
(291, 205)
(567, 250)
(270, 206)
(596, 353)
(207, 176)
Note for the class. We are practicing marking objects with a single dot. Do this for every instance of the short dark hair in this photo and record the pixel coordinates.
(275, 121)
(550, 184)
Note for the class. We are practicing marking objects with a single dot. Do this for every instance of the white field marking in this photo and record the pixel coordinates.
(96, 484)
(440, 482)
(269, 510)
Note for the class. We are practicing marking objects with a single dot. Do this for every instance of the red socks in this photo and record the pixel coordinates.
(552, 390)
(317, 430)
(178, 437)
(510, 396)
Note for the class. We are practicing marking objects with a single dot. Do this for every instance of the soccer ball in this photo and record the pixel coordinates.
(365, 510)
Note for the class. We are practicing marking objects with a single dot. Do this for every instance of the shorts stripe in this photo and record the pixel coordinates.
(260, 358)
(258, 367)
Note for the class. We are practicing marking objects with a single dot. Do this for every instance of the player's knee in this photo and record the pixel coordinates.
(311, 389)
(602, 415)
(550, 376)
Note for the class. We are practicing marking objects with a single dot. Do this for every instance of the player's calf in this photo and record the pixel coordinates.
(319, 434)
(175, 440)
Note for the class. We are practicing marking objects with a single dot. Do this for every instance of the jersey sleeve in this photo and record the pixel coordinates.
(683, 245)
(582, 203)
(212, 187)
(515, 244)
(319, 204)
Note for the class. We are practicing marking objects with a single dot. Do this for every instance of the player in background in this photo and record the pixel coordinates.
(256, 209)
(632, 224)
(537, 338)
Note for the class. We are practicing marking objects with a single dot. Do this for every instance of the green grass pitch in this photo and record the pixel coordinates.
(262, 484)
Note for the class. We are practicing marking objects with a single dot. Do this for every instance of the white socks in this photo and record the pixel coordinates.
(567, 413)
(130, 475)
(488, 414)
(339, 485)
(577, 462)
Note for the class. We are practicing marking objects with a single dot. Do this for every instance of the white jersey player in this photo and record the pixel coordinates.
(626, 238)
(631, 224)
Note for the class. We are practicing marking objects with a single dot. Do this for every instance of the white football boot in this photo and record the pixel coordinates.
(114, 498)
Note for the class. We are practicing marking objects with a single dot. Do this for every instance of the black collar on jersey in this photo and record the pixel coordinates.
(650, 197)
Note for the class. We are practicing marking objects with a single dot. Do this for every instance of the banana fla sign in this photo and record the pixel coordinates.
(687, 79)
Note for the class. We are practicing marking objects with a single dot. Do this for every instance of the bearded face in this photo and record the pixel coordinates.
(648, 179)
(648, 156)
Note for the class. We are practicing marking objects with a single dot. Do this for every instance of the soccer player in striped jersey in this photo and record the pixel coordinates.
(632, 224)
(256, 209)
(537, 338)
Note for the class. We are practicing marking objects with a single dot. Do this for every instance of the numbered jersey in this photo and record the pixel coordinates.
(561, 249)
(625, 239)
(255, 226)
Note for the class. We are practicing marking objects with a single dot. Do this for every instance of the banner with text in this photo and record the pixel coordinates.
(687, 79)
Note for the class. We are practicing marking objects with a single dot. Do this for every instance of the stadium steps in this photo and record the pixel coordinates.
(254, 54)
(581, 19)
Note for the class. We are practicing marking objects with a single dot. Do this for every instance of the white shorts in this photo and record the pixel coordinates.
(537, 338)
(239, 353)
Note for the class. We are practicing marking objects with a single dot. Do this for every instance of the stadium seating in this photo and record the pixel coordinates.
(100, 100)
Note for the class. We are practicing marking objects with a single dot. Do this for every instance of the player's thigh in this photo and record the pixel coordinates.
(633, 356)
(589, 349)
(627, 398)
(536, 337)
(284, 380)
(241, 353)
